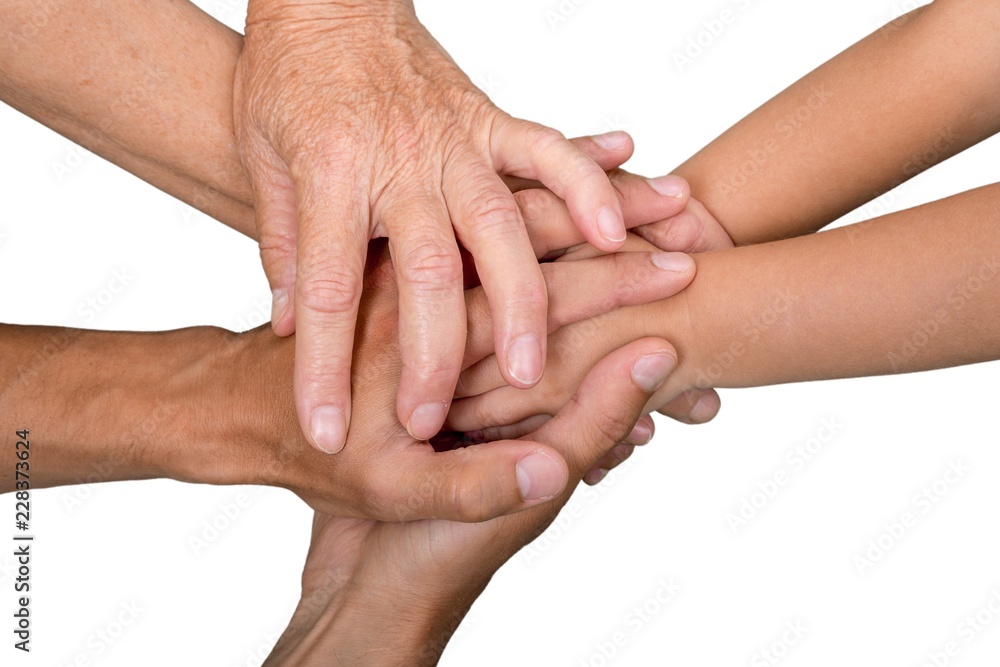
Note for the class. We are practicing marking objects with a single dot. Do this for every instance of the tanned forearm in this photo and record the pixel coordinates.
(106, 406)
(918, 91)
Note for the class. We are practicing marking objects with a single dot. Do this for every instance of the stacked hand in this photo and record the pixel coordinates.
(353, 123)
(396, 477)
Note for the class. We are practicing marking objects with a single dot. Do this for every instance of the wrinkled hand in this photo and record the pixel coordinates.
(353, 123)
(393, 593)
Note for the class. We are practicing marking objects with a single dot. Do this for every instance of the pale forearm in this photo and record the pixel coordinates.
(107, 406)
(909, 96)
(913, 291)
(147, 85)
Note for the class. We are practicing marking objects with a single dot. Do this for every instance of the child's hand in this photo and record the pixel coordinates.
(488, 412)
(486, 408)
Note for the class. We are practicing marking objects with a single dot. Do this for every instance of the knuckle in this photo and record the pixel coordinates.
(494, 211)
(530, 295)
(432, 267)
(331, 291)
(463, 497)
(545, 139)
(533, 204)
(683, 233)
(432, 371)
(608, 427)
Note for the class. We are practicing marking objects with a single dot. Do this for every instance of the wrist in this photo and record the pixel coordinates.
(365, 625)
(237, 392)
(197, 426)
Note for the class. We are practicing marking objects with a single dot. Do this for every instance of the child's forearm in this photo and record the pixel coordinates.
(909, 96)
(912, 291)
(147, 85)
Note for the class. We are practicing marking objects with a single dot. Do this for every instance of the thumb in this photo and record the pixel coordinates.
(472, 484)
(609, 403)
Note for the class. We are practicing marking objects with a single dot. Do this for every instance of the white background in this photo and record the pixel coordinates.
(604, 65)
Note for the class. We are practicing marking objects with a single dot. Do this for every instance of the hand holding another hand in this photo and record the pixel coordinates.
(353, 123)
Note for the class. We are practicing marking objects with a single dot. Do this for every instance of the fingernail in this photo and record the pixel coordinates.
(640, 435)
(596, 477)
(612, 141)
(669, 186)
(702, 411)
(651, 371)
(426, 420)
(329, 428)
(672, 261)
(610, 225)
(279, 302)
(539, 477)
(524, 359)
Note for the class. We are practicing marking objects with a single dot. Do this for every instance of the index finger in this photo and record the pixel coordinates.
(332, 246)
(533, 151)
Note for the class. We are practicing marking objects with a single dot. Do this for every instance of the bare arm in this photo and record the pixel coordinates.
(105, 406)
(147, 85)
(912, 291)
(918, 91)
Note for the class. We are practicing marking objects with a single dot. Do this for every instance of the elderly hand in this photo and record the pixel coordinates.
(354, 123)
